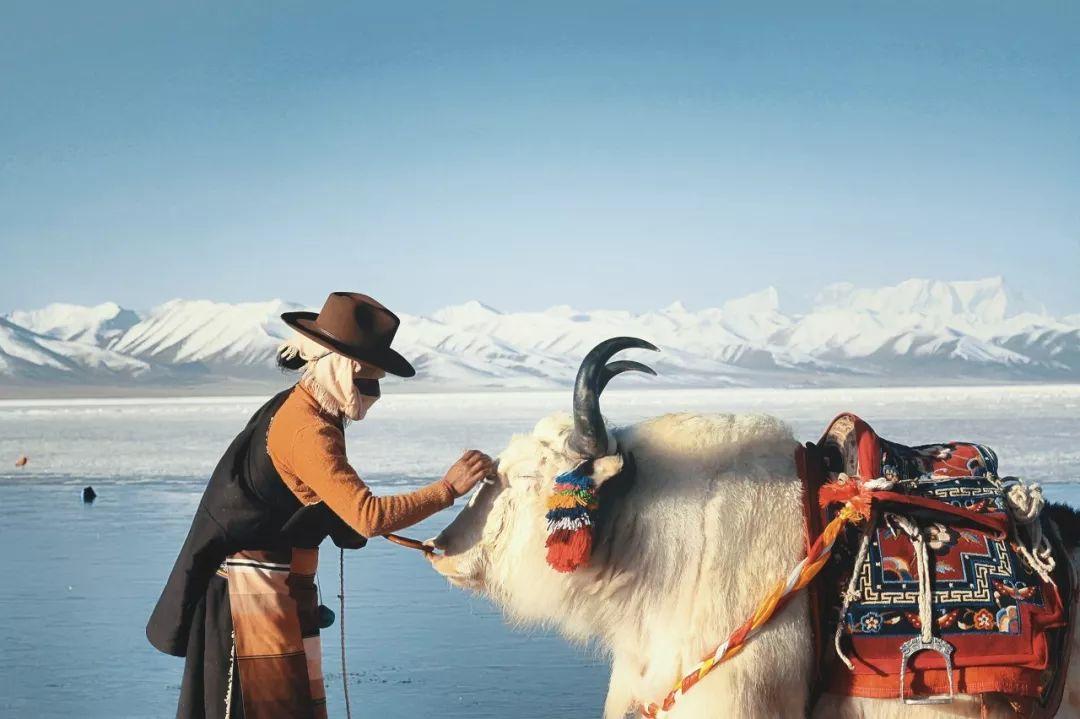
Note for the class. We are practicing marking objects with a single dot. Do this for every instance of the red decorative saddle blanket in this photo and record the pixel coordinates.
(1005, 624)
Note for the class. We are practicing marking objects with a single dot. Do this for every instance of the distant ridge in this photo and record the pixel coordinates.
(915, 332)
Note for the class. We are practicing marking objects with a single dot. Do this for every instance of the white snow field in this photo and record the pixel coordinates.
(80, 580)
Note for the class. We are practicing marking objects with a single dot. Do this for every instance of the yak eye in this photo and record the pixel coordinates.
(521, 479)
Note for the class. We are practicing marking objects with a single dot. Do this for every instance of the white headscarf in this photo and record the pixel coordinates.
(329, 377)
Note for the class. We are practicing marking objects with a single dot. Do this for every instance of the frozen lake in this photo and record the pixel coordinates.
(79, 581)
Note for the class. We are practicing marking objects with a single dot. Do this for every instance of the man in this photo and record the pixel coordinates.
(241, 603)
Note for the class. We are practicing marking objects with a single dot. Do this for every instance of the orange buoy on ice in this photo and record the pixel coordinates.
(21, 461)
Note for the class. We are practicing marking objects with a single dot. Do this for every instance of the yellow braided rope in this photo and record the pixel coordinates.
(776, 598)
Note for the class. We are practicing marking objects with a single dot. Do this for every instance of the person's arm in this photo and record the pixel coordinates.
(318, 459)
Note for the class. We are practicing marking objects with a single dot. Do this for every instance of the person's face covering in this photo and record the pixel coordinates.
(351, 385)
(366, 384)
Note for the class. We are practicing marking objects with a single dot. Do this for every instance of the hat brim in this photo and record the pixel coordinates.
(384, 358)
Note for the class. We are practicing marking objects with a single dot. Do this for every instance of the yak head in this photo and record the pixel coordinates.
(533, 525)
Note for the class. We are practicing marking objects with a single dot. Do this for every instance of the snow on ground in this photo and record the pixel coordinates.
(1034, 428)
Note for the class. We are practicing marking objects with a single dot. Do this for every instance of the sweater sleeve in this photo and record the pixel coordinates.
(317, 458)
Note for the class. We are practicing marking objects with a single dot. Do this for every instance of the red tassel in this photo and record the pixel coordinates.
(559, 536)
(569, 550)
(837, 493)
(848, 492)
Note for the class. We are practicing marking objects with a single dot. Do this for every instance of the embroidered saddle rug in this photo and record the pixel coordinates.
(1006, 625)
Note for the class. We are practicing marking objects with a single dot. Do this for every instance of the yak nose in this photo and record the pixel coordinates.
(432, 551)
(435, 543)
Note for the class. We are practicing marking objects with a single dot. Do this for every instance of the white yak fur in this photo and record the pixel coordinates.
(713, 520)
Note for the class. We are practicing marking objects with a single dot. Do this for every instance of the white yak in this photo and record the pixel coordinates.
(684, 551)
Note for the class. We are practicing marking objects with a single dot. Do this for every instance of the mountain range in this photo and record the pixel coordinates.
(915, 332)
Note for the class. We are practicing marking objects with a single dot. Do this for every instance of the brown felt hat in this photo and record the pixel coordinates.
(355, 326)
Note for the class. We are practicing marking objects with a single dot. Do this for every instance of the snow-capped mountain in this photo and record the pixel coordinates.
(98, 325)
(217, 336)
(919, 331)
(28, 356)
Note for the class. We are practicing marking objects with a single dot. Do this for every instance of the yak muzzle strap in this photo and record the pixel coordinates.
(570, 519)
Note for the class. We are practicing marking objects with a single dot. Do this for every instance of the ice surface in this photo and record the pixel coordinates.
(408, 435)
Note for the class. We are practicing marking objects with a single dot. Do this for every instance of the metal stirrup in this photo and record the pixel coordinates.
(912, 647)
(926, 641)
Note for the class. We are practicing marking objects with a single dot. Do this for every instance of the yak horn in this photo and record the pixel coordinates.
(590, 435)
(618, 367)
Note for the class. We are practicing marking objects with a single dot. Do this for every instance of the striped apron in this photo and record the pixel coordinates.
(276, 646)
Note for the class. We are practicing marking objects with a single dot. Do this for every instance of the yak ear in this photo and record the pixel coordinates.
(605, 468)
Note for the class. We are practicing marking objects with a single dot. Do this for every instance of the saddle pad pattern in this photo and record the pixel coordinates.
(987, 603)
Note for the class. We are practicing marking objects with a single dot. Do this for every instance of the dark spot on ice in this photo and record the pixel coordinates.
(88, 495)
(326, 617)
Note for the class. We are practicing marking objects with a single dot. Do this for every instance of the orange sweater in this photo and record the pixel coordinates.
(308, 450)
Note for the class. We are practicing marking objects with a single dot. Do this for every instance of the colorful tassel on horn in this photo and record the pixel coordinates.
(570, 521)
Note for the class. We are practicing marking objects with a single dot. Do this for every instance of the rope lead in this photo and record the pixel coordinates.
(856, 495)
(341, 627)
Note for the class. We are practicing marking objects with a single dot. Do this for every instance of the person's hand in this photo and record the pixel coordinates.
(473, 466)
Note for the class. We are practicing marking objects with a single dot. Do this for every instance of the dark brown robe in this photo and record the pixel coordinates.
(245, 507)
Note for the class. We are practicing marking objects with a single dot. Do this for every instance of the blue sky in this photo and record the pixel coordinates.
(596, 154)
